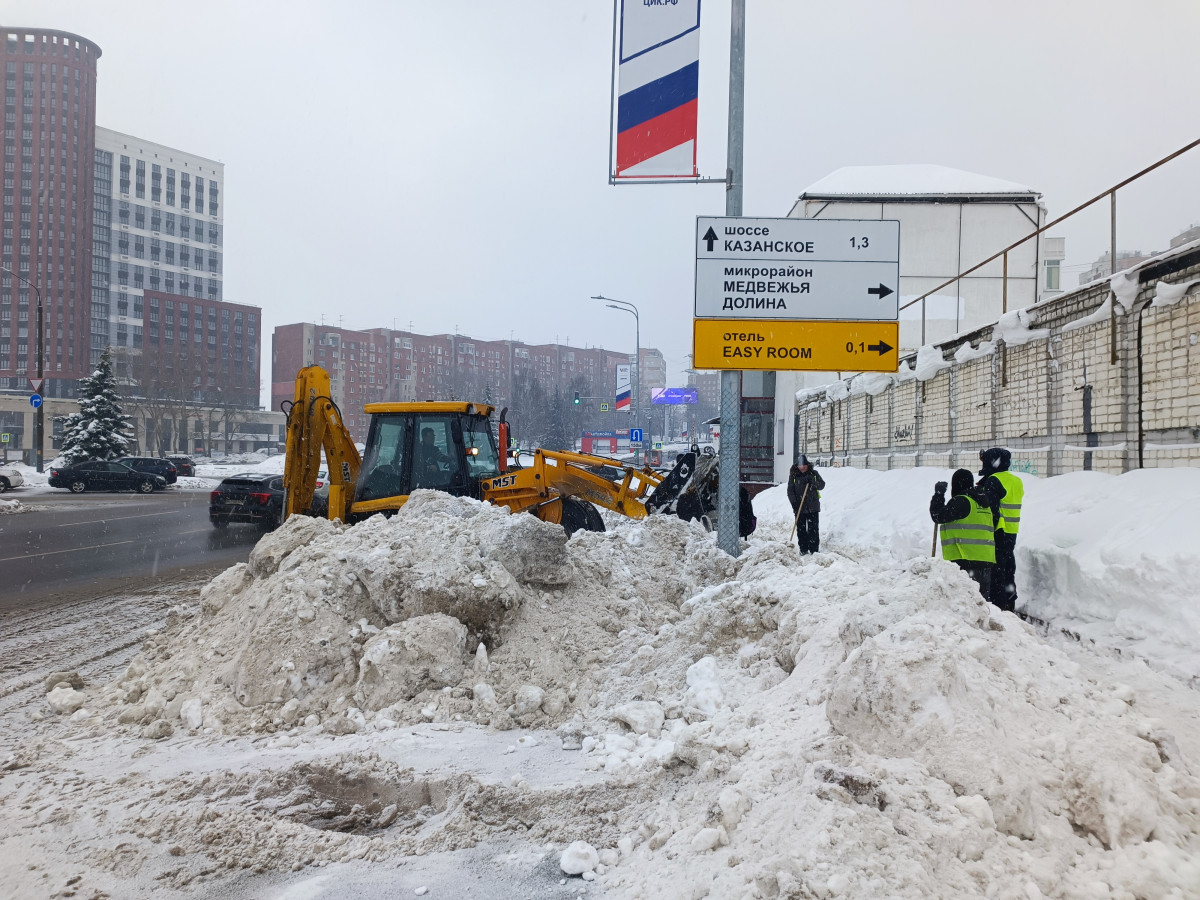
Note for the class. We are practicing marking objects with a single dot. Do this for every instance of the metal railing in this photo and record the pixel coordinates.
(1112, 194)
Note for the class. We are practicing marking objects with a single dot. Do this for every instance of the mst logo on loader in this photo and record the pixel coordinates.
(502, 482)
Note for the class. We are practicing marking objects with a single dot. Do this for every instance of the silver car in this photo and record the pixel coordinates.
(10, 478)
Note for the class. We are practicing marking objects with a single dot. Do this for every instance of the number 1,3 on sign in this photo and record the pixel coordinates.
(860, 243)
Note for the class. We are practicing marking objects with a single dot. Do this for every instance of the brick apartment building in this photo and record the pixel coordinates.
(382, 364)
(49, 136)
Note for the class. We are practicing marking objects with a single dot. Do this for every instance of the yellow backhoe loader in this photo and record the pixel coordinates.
(446, 447)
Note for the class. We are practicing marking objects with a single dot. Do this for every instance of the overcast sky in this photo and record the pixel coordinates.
(444, 163)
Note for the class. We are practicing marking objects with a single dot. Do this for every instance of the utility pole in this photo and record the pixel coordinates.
(729, 461)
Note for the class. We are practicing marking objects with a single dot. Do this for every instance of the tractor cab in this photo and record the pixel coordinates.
(437, 446)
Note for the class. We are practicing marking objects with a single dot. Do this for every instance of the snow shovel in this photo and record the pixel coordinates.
(933, 552)
(798, 508)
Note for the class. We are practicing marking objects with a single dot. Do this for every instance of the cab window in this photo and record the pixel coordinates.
(383, 459)
(433, 457)
(480, 448)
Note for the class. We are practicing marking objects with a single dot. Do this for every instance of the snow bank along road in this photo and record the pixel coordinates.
(447, 700)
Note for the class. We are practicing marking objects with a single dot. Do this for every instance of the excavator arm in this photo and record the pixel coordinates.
(315, 424)
(554, 475)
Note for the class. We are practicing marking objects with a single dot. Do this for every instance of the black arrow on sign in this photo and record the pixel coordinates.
(711, 237)
(882, 347)
(881, 291)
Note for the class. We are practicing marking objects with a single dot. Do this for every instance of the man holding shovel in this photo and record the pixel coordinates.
(804, 485)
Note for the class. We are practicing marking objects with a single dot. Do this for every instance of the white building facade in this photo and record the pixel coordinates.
(950, 221)
(158, 225)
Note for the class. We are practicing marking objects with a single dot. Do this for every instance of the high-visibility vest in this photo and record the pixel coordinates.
(971, 538)
(1010, 506)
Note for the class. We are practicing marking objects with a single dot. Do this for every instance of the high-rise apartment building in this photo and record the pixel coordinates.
(158, 226)
(46, 212)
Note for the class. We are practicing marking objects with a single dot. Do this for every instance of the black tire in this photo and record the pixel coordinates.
(4, 485)
(594, 520)
(145, 487)
(77, 486)
(579, 515)
(219, 523)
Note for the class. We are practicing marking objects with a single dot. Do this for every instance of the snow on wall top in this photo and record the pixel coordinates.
(910, 180)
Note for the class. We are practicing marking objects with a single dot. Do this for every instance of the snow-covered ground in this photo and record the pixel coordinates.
(448, 699)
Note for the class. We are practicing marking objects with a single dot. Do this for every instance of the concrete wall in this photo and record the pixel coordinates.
(1057, 401)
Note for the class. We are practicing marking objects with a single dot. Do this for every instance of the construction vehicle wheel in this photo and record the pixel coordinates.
(594, 521)
(579, 515)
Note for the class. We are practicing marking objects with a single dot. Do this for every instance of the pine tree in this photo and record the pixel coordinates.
(100, 430)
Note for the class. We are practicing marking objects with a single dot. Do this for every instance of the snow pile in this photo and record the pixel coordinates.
(1016, 328)
(449, 609)
(11, 507)
(929, 362)
(1114, 558)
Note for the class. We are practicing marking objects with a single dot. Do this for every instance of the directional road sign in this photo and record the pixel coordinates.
(35, 401)
(799, 269)
(796, 346)
(635, 435)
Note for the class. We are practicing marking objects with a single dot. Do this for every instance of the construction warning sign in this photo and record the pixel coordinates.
(780, 345)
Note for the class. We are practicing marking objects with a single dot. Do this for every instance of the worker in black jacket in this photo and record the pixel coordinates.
(803, 491)
(968, 532)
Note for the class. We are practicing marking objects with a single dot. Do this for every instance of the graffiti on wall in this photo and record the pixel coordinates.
(1028, 466)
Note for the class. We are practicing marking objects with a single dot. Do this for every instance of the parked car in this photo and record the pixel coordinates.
(10, 478)
(105, 475)
(250, 497)
(185, 464)
(155, 464)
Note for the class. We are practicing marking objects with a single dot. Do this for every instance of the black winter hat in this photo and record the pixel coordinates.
(961, 482)
(996, 459)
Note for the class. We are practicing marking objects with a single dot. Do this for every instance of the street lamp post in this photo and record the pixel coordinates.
(39, 414)
(626, 306)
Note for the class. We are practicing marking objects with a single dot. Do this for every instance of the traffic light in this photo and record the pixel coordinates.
(577, 398)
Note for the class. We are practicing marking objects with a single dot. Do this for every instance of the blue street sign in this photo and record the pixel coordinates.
(35, 401)
(635, 435)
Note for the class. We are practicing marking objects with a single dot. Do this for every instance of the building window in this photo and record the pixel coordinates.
(156, 183)
(1053, 274)
(124, 174)
(141, 179)
(170, 187)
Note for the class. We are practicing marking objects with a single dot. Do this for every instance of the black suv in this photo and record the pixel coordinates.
(249, 497)
(154, 464)
(102, 475)
(185, 464)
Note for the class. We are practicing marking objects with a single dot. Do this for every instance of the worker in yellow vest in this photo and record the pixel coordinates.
(968, 532)
(1003, 491)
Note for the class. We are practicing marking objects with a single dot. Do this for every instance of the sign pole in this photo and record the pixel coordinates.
(729, 461)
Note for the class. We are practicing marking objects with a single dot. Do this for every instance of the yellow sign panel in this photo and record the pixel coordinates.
(796, 346)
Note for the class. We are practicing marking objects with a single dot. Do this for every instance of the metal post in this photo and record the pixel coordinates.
(729, 461)
(1112, 310)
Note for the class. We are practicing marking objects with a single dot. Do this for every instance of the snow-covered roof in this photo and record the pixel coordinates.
(911, 181)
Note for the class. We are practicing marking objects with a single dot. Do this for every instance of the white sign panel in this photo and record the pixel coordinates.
(844, 269)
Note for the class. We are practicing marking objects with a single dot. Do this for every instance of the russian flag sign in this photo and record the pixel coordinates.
(658, 81)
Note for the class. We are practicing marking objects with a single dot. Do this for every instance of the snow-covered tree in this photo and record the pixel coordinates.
(100, 430)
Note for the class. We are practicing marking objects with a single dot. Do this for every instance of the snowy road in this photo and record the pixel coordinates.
(67, 546)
